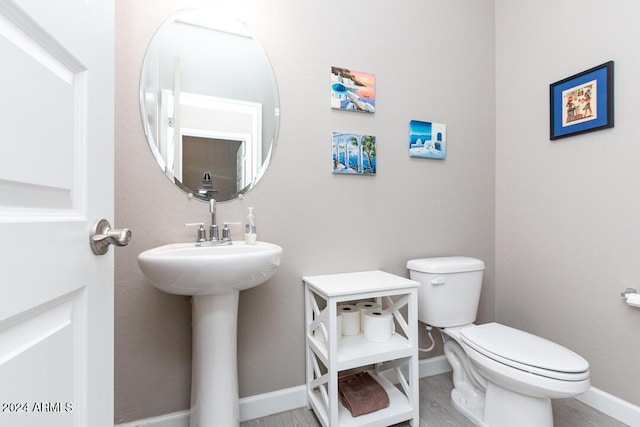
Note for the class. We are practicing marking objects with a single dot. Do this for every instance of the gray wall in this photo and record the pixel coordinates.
(433, 60)
(567, 212)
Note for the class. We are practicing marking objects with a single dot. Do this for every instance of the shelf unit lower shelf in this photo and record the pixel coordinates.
(355, 350)
(398, 410)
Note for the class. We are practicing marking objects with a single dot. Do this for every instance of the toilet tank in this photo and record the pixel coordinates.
(449, 290)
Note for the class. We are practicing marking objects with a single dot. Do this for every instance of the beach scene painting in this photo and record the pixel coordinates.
(354, 153)
(353, 90)
(427, 140)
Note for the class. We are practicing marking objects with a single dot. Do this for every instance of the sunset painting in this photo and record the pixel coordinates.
(352, 90)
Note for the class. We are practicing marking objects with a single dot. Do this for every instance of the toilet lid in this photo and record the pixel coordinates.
(523, 350)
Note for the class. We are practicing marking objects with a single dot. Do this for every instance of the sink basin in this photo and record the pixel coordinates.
(185, 269)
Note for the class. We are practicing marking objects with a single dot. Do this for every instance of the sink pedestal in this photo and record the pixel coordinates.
(214, 378)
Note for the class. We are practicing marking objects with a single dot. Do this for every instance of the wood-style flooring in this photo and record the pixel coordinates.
(436, 410)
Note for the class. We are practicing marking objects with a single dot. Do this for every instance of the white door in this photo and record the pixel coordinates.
(56, 180)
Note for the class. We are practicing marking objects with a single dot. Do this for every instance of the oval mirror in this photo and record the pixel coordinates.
(209, 104)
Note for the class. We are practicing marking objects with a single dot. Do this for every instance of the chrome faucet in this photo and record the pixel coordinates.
(214, 239)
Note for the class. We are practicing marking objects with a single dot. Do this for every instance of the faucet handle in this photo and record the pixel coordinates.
(225, 230)
(202, 234)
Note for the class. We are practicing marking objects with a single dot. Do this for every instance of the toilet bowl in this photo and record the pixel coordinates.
(502, 376)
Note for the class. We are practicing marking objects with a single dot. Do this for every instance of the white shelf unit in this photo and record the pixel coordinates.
(330, 355)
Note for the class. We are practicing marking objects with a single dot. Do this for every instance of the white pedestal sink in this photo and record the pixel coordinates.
(214, 276)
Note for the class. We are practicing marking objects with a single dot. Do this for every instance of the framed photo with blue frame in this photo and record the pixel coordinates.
(582, 103)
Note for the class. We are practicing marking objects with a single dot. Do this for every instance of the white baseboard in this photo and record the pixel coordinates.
(175, 419)
(261, 405)
(433, 366)
(614, 407)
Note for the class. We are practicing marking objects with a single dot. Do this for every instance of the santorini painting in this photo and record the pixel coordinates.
(427, 140)
(352, 90)
(354, 154)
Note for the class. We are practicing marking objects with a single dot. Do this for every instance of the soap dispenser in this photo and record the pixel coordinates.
(250, 235)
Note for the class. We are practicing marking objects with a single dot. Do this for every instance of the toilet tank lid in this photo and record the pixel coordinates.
(442, 265)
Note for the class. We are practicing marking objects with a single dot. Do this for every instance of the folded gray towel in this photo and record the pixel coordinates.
(362, 394)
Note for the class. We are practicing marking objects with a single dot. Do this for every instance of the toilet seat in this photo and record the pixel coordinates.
(526, 352)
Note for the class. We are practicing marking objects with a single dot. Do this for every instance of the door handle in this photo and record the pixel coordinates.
(102, 235)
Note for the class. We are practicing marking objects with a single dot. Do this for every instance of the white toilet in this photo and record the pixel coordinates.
(502, 377)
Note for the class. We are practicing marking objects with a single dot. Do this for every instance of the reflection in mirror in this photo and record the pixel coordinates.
(209, 104)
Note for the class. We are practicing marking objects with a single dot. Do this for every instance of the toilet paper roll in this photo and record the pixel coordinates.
(350, 319)
(364, 306)
(378, 325)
